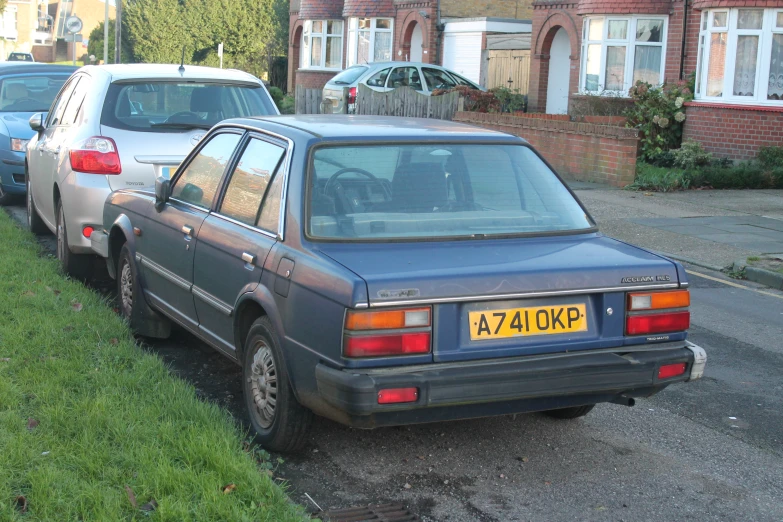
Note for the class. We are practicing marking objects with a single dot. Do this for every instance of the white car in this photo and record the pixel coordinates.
(117, 127)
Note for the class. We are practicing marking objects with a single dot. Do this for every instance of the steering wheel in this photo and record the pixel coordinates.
(334, 185)
(188, 116)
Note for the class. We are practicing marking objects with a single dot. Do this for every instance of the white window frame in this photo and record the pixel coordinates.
(768, 29)
(353, 38)
(308, 34)
(630, 44)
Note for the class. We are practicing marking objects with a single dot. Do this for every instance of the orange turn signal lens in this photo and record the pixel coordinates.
(388, 320)
(659, 300)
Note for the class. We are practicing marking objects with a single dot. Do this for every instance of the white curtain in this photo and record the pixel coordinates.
(775, 88)
(615, 68)
(647, 64)
(745, 71)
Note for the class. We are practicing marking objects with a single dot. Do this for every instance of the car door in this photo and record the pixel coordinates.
(235, 239)
(437, 79)
(170, 237)
(405, 77)
(377, 81)
(44, 159)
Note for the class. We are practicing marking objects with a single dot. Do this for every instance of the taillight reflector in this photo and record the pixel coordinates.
(380, 345)
(659, 300)
(658, 323)
(671, 370)
(352, 95)
(87, 232)
(387, 320)
(398, 395)
(96, 155)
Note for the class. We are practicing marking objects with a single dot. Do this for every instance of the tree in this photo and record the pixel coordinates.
(156, 30)
(3, 3)
(95, 44)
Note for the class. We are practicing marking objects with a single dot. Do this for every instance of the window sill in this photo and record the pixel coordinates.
(736, 106)
(318, 70)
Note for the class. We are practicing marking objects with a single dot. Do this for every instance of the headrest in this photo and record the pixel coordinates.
(206, 99)
(15, 91)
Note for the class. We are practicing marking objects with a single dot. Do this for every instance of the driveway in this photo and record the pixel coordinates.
(709, 450)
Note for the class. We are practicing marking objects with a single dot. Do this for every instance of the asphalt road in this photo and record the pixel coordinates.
(709, 450)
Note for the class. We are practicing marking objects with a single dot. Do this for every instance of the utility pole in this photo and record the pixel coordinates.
(118, 32)
(106, 33)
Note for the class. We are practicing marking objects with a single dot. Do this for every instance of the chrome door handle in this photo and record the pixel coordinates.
(56, 152)
(187, 230)
(248, 258)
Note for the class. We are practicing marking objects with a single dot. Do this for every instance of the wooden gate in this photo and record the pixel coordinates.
(509, 64)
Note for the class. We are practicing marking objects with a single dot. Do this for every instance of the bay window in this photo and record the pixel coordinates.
(369, 40)
(740, 57)
(619, 51)
(322, 45)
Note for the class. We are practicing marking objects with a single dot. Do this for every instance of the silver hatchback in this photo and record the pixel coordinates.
(341, 90)
(117, 127)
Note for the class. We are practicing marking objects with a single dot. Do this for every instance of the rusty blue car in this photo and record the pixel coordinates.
(384, 271)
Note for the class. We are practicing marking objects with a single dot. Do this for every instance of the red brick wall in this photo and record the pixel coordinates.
(313, 79)
(583, 151)
(624, 7)
(733, 131)
(368, 8)
(321, 9)
(408, 16)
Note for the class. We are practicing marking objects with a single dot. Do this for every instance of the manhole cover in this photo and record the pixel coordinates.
(383, 513)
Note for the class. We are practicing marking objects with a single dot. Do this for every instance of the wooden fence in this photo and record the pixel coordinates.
(309, 101)
(509, 65)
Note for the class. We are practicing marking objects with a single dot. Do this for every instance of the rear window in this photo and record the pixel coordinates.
(350, 75)
(436, 191)
(30, 93)
(171, 106)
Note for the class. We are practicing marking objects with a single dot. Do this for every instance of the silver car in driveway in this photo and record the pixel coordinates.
(121, 126)
(341, 90)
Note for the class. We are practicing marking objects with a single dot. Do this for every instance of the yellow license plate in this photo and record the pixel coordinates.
(521, 322)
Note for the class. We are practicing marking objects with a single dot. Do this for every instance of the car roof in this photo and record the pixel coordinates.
(130, 71)
(34, 67)
(345, 127)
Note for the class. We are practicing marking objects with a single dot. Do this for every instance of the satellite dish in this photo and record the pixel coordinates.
(73, 24)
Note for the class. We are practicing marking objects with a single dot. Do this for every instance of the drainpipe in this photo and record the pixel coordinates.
(439, 28)
(682, 46)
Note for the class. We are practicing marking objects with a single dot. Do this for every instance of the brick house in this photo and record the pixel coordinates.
(734, 47)
(327, 36)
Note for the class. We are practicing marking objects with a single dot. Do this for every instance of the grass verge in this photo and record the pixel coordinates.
(93, 428)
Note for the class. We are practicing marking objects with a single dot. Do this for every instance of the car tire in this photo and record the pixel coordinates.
(34, 221)
(573, 412)
(280, 422)
(77, 266)
(142, 319)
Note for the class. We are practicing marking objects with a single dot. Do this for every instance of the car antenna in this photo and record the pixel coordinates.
(182, 63)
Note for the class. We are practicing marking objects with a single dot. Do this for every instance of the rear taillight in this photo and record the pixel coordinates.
(398, 395)
(351, 95)
(671, 370)
(391, 332)
(96, 155)
(658, 312)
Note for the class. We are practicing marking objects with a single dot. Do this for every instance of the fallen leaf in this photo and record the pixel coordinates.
(131, 497)
(5, 359)
(77, 306)
(21, 504)
(547, 483)
(29, 293)
(229, 488)
(522, 459)
(407, 486)
(52, 290)
(32, 424)
(246, 446)
(45, 453)
(648, 193)
(114, 340)
(420, 457)
(152, 505)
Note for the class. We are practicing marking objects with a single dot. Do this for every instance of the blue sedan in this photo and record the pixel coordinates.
(381, 271)
(25, 89)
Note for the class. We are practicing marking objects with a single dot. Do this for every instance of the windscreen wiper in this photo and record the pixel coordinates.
(184, 126)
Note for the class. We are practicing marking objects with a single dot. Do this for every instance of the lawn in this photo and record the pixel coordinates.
(94, 428)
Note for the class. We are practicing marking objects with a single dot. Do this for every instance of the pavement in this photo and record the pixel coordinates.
(711, 228)
(703, 451)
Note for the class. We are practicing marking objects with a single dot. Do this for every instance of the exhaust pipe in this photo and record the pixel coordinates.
(624, 401)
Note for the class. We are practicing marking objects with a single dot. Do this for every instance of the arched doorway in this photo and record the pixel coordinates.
(559, 73)
(294, 56)
(417, 42)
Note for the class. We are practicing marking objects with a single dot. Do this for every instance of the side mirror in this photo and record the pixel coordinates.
(36, 122)
(162, 191)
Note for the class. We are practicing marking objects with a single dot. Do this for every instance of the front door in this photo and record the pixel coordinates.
(559, 74)
(170, 243)
(236, 239)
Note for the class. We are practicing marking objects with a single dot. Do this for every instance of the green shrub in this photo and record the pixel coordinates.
(659, 179)
(287, 105)
(658, 113)
(277, 95)
(690, 155)
(510, 101)
(770, 157)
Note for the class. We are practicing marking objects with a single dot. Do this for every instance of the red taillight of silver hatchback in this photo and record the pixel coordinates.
(96, 155)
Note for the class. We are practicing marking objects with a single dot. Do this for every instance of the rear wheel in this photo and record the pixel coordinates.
(573, 412)
(34, 221)
(142, 319)
(78, 266)
(280, 422)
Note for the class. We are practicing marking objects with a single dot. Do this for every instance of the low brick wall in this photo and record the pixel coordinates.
(733, 131)
(313, 79)
(581, 151)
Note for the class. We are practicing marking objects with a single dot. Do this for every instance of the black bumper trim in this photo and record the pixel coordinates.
(623, 371)
(16, 163)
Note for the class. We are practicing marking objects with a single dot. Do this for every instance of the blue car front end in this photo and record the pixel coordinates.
(15, 133)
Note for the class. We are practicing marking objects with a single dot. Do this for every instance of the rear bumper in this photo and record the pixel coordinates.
(502, 386)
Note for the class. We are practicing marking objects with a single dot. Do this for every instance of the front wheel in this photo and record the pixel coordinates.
(142, 319)
(573, 412)
(280, 422)
(34, 221)
(78, 266)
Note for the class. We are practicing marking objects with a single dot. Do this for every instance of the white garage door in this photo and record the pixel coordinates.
(462, 54)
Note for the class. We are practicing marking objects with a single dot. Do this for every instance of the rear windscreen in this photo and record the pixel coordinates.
(350, 75)
(171, 106)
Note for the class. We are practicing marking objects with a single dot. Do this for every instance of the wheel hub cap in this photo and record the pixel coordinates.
(126, 288)
(264, 384)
